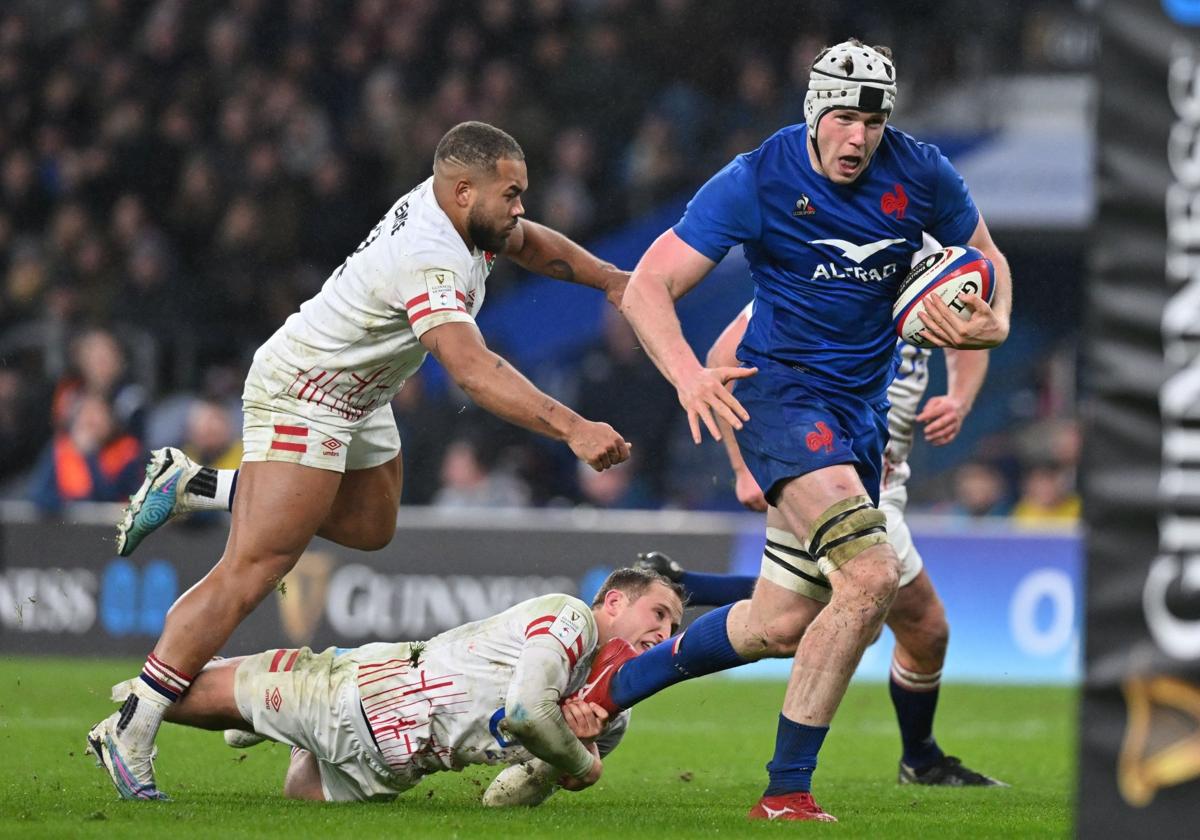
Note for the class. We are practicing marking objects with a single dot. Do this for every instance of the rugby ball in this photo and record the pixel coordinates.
(950, 273)
(527, 784)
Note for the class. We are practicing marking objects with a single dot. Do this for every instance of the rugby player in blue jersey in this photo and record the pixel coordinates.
(829, 214)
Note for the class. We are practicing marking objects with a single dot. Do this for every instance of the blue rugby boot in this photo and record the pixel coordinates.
(162, 496)
(130, 769)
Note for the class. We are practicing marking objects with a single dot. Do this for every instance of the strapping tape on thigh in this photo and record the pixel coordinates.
(845, 530)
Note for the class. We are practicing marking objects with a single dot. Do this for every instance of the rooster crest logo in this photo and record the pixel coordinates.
(894, 202)
(822, 437)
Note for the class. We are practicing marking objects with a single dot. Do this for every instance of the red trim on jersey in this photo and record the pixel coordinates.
(413, 317)
(275, 661)
(537, 621)
(298, 431)
(291, 660)
(371, 665)
(423, 298)
(289, 447)
(572, 656)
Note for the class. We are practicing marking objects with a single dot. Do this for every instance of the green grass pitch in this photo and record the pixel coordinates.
(691, 765)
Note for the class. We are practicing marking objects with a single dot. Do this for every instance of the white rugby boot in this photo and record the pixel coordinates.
(131, 770)
(162, 496)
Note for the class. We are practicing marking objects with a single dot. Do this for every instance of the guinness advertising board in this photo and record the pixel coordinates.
(1140, 724)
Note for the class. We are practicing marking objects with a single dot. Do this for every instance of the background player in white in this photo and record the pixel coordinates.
(917, 617)
(369, 723)
(322, 452)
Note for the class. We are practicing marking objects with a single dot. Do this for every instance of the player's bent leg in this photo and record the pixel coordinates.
(210, 701)
(846, 536)
(772, 622)
(918, 621)
(768, 625)
(303, 780)
(364, 512)
(277, 510)
(703, 590)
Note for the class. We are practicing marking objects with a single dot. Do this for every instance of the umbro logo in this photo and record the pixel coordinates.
(331, 446)
(858, 253)
(804, 206)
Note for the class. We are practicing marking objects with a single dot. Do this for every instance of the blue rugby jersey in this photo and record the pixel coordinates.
(827, 259)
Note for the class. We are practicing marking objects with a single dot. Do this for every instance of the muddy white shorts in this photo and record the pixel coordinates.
(311, 700)
(893, 503)
(280, 425)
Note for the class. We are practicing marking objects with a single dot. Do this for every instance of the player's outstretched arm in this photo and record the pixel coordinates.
(943, 415)
(989, 324)
(723, 353)
(543, 250)
(498, 387)
(667, 271)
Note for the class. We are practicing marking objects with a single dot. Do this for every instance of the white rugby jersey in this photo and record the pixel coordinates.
(351, 347)
(440, 705)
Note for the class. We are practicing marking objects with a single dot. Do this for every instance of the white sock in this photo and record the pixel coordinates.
(141, 716)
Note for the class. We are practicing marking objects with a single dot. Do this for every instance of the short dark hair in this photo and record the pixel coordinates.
(477, 145)
(634, 583)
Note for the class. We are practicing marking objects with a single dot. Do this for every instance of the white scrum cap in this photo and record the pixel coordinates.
(849, 75)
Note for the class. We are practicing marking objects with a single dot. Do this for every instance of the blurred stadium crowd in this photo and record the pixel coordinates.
(177, 177)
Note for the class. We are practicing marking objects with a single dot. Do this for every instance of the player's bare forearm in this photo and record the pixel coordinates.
(650, 309)
(965, 372)
(1001, 303)
(545, 251)
(544, 732)
(943, 415)
(666, 272)
(532, 713)
(495, 385)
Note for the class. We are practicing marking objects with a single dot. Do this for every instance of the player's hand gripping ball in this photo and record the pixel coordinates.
(949, 273)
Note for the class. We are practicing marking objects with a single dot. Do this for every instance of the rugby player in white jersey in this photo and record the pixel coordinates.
(917, 617)
(322, 451)
(368, 723)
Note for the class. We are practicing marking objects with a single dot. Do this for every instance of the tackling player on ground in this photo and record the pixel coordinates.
(322, 452)
(369, 723)
(830, 213)
(917, 618)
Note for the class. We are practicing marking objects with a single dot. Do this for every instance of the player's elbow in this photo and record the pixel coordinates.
(518, 720)
(467, 369)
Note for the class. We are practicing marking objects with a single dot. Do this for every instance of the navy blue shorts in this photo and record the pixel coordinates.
(797, 427)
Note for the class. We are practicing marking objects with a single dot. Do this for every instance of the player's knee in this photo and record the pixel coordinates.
(933, 634)
(245, 579)
(366, 531)
(851, 536)
(376, 536)
(303, 780)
